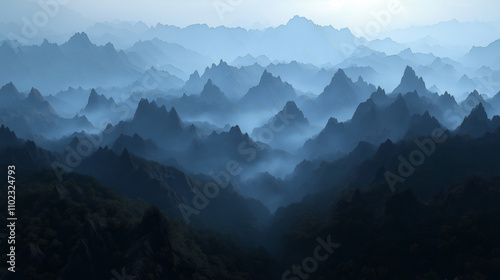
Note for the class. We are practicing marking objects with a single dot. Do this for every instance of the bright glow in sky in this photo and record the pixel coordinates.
(259, 13)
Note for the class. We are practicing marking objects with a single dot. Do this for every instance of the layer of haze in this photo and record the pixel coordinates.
(259, 13)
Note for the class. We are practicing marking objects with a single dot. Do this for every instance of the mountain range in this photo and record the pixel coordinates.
(101, 65)
(34, 117)
(229, 153)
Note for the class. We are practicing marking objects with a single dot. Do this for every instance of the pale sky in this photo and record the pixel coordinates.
(254, 13)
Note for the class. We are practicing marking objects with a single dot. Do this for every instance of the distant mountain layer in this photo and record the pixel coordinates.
(410, 82)
(484, 56)
(33, 116)
(160, 54)
(233, 82)
(339, 98)
(230, 43)
(77, 62)
(270, 93)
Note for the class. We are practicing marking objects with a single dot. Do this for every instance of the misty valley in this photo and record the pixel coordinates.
(159, 152)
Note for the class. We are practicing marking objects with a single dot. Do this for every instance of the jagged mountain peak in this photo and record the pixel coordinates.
(476, 124)
(409, 72)
(426, 120)
(411, 82)
(340, 75)
(4, 128)
(125, 155)
(270, 93)
(268, 78)
(154, 104)
(38, 102)
(94, 97)
(412, 95)
(48, 45)
(9, 90)
(406, 51)
(340, 82)
(109, 47)
(478, 113)
(145, 103)
(231, 137)
(341, 91)
(173, 113)
(235, 130)
(385, 150)
(145, 108)
(102, 151)
(291, 107)
(447, 100)
(380, 91)
(7, 136)
(332, 122)
(290, 120)
(363, 109)
(422, 125)
(35, 95)
(298, 20)
(380, 97)
(475, 94)
(211, 92)
(222, 63)
(79, 39)
(98, 101)
(464, 77)
(93, 93)
(195, 75)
